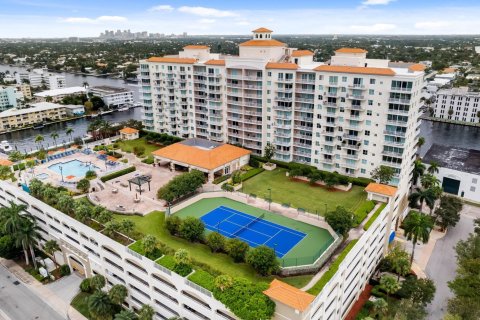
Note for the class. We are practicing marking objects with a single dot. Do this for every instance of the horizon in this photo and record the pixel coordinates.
(56, 19)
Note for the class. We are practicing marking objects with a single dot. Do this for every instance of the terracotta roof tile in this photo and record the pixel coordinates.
(417, 67)
(289, 295)
(5, 162)
(262, 29)
(302, 53)
(381, 189)
(360, 70)
(214, 62)
(196, 46)
(281, 65)
(262, 43)
(203, 158)
(449, 70)
(351, 50)
(172, 60)
(128, 130)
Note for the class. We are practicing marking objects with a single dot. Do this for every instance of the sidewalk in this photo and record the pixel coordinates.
(55, 302)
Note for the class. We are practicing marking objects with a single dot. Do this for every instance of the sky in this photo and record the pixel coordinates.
(85, 18)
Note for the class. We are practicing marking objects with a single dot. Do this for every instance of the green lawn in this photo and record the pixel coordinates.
(301, 194)
(128, 145)
(305, 252)
(80, 303)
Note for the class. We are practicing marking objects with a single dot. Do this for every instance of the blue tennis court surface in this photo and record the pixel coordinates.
(253, 230)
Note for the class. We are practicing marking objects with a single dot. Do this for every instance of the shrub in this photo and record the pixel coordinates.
(181, 185)
(90, 174)
(263, 260)
(362, 182)
(215, 241)
(227, 187)
(182, 269)
(341, 220)
(221, 179)
(85, 285)
(138, 150)
(203, 279)
(192, 229)
(148, 160)
(8, 250)
(64, 270)
(237, 249)
(19, 166)
(117, 174)
(253, 162)
(173, 224)
(251, 173)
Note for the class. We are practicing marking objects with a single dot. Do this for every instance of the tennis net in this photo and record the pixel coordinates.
(248, 224)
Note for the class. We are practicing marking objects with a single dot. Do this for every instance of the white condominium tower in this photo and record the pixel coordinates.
(349, 115)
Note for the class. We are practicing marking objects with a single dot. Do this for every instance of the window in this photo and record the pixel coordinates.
(472, 188)
(372, 81)
(365, 152)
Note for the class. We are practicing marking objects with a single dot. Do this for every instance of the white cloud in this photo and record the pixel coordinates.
(374, 28)
(243, 23)
(94, 20)
(161, 8)
(429, 25)
(206, 21)
(207, 12)
(376, 2)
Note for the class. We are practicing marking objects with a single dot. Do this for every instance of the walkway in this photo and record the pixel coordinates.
(47, 293)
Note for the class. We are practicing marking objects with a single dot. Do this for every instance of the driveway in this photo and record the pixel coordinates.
(442, 265)
(67, 287)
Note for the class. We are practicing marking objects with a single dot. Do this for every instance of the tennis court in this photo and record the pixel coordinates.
(253, 230)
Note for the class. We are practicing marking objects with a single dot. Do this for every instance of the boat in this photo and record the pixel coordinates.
(5, 147)
(39, 125)
(123, 109)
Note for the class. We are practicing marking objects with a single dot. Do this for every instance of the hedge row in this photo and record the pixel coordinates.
(19, 166)
(161, 138)
(221, 179)
(251, 173)
(117, 174)
(317, 288)
(363, 210)
(374, 217)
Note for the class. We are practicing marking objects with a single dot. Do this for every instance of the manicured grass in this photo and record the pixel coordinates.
(128, 145)
(374, 217)
(305, 252)
(363, 210)
(317, 288)
(80, 303)
(301, 194)
(203, 279)
(297, 281)
(167, 261)
(153, 223)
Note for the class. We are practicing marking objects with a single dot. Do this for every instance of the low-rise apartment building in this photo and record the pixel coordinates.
(457, 104)
(8, 98)
(113, 96)
(41, 77)
(35, 113)
(58, 94)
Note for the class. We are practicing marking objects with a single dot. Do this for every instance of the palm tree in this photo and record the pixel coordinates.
(106, 129)
(418, 170)
(389, 284)
(125, 315)
(50, 247)
(146, 312)
(427, 196)
(39, 139)
(417, 227)
(429, 181)
(54, 136)
(100, 306)
(27, 237)
(12, 222)
(97, 282)
(420, 142)
(401, 267)
(117, 294)
(380, 307)
(69, 132)
(65, 203)
(433, 168)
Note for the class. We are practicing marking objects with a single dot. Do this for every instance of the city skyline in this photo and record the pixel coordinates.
(20, 18)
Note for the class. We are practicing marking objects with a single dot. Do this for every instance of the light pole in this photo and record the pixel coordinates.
(61, 172)
(270, 198)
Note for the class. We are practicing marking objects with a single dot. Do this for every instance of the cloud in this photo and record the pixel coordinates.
(376, 2)
(243, 23)
(374, 28)
(94, 20)
(161, 8)
(206, 21)
(432, 25)
(207, 12)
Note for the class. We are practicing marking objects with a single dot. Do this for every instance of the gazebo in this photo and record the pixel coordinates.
(139, 181)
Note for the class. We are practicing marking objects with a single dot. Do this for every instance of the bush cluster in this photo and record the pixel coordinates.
(181, 186)
(329, 178)
(161, 138)
(118, 173)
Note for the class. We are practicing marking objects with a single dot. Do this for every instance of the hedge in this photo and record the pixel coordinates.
(148, 160)
(251, 173)
(362, 182)
(374, 217)
(317, 288)
(19, 166)
(363, 210)
(203, 279)
(117, 174)
(280, 164)
(221, 179)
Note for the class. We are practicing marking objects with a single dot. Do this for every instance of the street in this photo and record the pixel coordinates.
(442, 265)
(18, 302)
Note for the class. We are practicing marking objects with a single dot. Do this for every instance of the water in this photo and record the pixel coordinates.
(75, 168)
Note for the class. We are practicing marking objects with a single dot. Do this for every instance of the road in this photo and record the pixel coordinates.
(18, 302)
(442, 265)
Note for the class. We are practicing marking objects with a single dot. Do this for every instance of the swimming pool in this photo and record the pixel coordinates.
(75, 168)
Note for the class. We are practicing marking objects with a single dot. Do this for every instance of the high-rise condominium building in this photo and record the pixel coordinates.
(349, 115)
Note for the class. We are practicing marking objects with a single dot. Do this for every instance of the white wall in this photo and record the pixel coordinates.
(469, 183)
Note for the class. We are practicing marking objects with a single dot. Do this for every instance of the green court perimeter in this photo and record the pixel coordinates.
(305, 252)
(301, 194)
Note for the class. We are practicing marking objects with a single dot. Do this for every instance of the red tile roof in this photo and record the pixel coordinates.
(262, 43)
(288, 295)
(172, 60)
(281, 65)
(214, 62)
(360, 70)
(302, 53)
(128, 130)
(262, 29)
(351, 50)
(195, 46)
(381, 189)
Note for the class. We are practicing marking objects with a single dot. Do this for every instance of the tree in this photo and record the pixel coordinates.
(88, 105)
(410, 310)
(420, 291)
(39, 139)
(269, 151)
(389, 284)
(237, 249)
(127, 227)
(427, 196)
(433, 168)
(97, 282)
(181, 185)
(65, 203)
(417, 227)
(100, 306)
(448, 213)
(8, 249)
(223, 282)
(97, 103)
(105, 216)
(16, 156)
(27, 237)
(429, 181)
(263, 259)
(54, 136)
(192, 229)
(380, 307)
(83, 185)
(341, 220)
(418, 170)
(420, 142)
(111, 228)
(150, 244)
(125, 315)
(173, 224)
(69, 132)
(383, 174)
(82, 212)
(50, 247)
(48, 99)
(146, 312)
(215, 241)
(182, 256)
(117, 294)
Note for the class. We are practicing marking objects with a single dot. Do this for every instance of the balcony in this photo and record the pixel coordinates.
(305, 90)
(252, 87)
(400, 89)
(234, 85)
(282, 108)
(393, 143)
(357, 86)
(351, 137)
(400, 112)
(252, 129)
(288, 80)
(332, 94)
(355, 97)
(305, 100)
(330, 104)
(392, 153)
(392, 164)
(302, 144)
(284, 99)
(286, 90)
(350, 156)
(397, 123)
(283, 134)
(306, 81)
(351, 146)
(283, 126)
(325, 160)
(394, 133)
(333, 84)
(252, 78)
(282, 143)
(397, 100)
(306, 119)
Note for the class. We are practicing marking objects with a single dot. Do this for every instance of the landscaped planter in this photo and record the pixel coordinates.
(237, 187)
(321, 183)
(269, 166)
